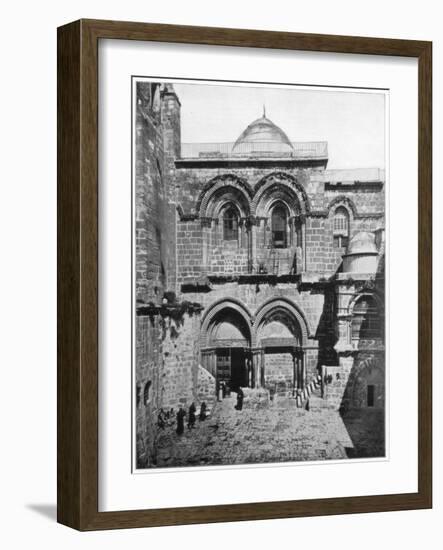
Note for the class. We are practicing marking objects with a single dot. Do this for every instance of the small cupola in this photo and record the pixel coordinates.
(361, 254)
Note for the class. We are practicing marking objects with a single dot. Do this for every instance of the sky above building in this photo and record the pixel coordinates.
(352, 122)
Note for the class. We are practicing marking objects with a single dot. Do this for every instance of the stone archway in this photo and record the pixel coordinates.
(226, 344)
(280, 332)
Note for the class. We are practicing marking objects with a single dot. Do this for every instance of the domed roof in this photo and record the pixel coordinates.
(362, 242)
(263, 135)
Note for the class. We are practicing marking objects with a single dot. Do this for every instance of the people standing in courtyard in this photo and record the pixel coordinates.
(240, 397)
(221, 390)
(191, 416)
(161, 420)
(181, 414)
(202, 415)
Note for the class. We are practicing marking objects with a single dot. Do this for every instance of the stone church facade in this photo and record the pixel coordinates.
(255, 266)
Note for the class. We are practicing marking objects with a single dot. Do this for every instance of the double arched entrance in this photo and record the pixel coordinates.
(261, 350)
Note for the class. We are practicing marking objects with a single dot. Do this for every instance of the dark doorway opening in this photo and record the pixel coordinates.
(239, 375)
(231, 368)
(371, 395)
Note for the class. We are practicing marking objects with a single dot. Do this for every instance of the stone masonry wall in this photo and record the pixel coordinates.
(150, 206)
(206, 385)
(149, 376)
(180, 349)
(204, 252)
(279, 373)
(157, 128)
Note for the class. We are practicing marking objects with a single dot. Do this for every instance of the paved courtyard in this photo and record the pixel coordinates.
(275, 433)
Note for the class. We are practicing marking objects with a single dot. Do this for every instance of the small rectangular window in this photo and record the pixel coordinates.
(371, 395)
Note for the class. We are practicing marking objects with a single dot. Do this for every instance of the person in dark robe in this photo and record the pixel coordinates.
(202, 415)
(240, 397)
(191, 416)
(181, 414)
(221, 390)
(171, 417)
(161, 420)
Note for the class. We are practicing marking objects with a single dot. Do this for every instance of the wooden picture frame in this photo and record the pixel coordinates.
(78, 274)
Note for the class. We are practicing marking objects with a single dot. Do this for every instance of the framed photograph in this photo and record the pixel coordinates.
(244, 275)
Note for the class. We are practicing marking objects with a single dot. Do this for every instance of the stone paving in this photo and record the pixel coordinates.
(275, 433)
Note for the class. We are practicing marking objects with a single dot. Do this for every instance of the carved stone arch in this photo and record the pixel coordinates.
(346, 202)
(214, 309)
(222, 205)
(292, 309)
(285, 184)
(219, 186)
(378, 300)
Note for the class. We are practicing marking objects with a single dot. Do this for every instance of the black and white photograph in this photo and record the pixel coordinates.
(258, 265)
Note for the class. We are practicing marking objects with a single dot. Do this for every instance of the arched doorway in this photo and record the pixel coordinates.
(226, 353)
(280, 338)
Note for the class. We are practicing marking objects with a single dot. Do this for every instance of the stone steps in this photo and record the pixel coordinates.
(301, 401)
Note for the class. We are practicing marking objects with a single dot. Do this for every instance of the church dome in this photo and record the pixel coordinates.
(263, 136)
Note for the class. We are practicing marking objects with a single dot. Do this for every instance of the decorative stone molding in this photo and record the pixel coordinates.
(286, 181)
(220, 182)
(344, 201)
(318, 214)
(169, 310)
(215, 308)
(291, 308)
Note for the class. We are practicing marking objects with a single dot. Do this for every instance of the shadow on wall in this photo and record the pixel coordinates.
(366, 428)
(325, 334)
(363, 404)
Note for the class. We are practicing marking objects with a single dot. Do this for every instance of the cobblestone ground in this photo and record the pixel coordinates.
(276, 433)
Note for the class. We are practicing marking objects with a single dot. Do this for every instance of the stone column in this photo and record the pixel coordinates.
(294, 372)
(252, 244)
(292, 234)
(303, 244)
(302, 369)
(214, 230)
(262, 369)
(250, 371)
(256, 367)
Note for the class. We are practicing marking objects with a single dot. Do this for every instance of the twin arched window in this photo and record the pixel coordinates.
(230, 224)
(341, 227)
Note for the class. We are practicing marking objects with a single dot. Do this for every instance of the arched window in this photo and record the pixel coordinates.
(230, 224)
(341, 227)
(279, 226)
(366, 321)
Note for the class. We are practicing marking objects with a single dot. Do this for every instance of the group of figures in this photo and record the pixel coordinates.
(168, 418)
